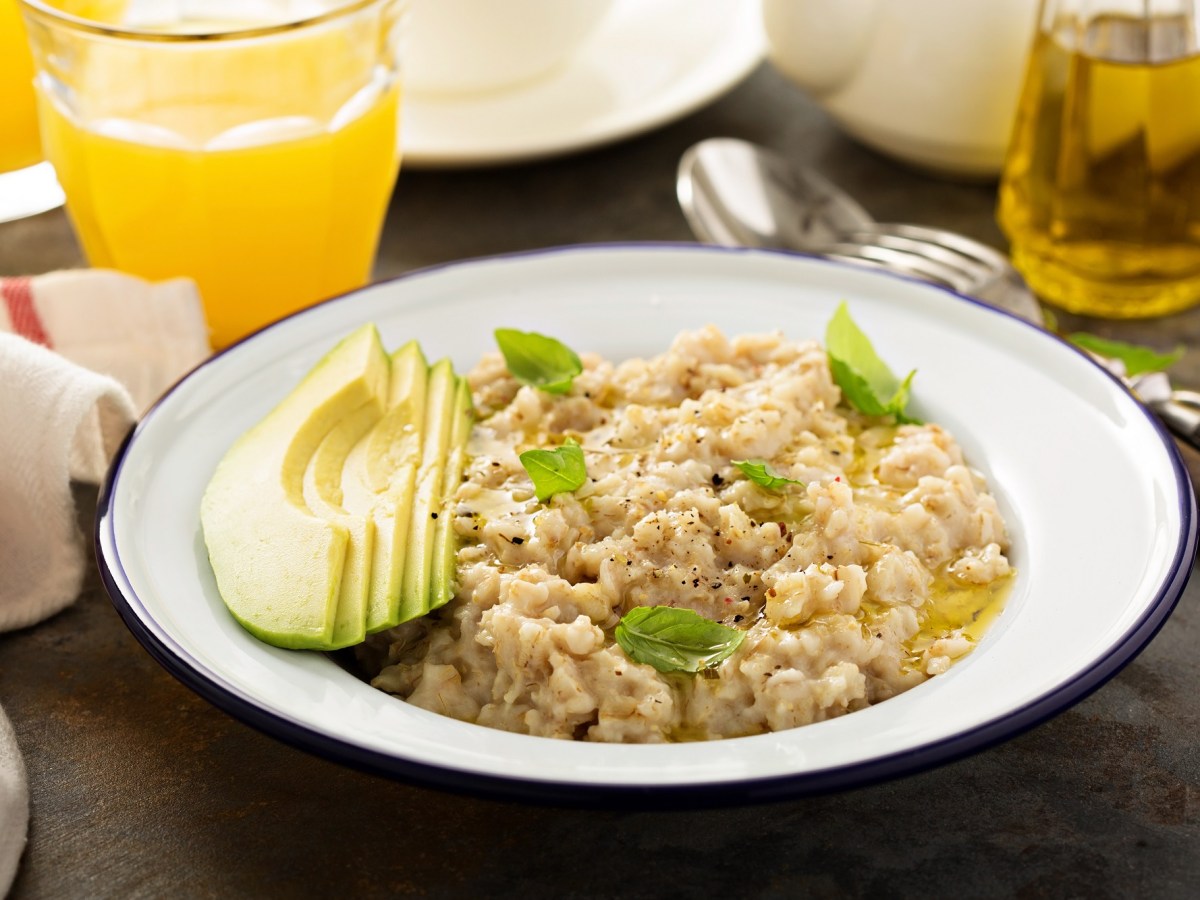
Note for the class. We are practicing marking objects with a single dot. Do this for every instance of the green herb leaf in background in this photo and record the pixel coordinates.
(758, 472)
(1049, 320)
(675, 640)
(537, 360)
(1137, 359)
(557, 471)
(866, 381)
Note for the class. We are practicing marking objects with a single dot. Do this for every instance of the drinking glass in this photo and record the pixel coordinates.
(251, 145)
(1100, 195)
(27, 184)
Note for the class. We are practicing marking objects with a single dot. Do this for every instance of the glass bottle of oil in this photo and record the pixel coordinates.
(1100, 195)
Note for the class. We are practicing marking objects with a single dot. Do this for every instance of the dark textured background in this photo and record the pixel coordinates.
(141, 789)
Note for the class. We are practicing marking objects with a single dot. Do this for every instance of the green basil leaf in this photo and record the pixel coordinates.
(866, 382)
(537, 360)
(557, 471)
(675, 640)
(758, 472)
(1137, 359)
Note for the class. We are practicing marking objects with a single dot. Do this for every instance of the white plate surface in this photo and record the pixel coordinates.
(650, 62)
(1100, 509)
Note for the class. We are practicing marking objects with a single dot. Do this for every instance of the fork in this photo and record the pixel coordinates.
(942, 257)
(735, 193)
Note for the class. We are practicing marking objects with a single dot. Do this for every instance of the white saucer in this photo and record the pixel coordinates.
(651, 62)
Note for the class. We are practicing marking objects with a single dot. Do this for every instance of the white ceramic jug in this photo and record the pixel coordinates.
(931, 82)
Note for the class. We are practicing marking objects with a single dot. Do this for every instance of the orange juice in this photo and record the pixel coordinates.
(264, 229)
(255, 156)
(19, 146)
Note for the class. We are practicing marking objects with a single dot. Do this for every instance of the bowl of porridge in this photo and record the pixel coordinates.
(893, 591)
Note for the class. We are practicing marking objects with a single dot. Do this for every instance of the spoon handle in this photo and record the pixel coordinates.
(1181, 414)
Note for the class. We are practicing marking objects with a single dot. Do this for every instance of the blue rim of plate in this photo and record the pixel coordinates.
(710, 794)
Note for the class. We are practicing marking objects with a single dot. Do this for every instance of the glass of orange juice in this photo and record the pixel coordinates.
(251, 145)
(27, 184)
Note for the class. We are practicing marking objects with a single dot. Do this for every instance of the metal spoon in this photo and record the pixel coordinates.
(737, 194)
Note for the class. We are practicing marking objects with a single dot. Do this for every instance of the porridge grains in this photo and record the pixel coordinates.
(837, 581)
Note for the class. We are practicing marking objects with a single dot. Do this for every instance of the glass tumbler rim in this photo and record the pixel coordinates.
(48, 14)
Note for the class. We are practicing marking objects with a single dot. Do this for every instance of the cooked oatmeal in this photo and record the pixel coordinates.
(872, 575)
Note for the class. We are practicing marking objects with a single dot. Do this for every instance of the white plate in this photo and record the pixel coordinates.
(1100, 507)
(650, 62)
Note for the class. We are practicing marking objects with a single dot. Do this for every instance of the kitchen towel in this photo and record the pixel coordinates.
(81, 354)
(143, 334)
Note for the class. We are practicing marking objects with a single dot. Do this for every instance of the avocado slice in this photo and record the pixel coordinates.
(278, 566)
(445, 541)
(427, 501)
(324, 495)
(381, 475)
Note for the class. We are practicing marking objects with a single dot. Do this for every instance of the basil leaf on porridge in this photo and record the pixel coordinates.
(865, 379)
(537, 360)
(760, 473)
(675, 640)
(557, 471)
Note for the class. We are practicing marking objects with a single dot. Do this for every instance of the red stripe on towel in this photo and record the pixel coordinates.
(18, 298)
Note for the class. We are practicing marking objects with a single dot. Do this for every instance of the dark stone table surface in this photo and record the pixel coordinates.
(142, 789)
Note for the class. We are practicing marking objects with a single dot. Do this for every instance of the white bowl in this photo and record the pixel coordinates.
(465, 46)
(1100, 507)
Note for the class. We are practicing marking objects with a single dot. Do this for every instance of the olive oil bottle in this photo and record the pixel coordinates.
(1100, 195)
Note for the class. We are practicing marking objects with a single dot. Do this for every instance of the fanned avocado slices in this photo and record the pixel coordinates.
(329, 519)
